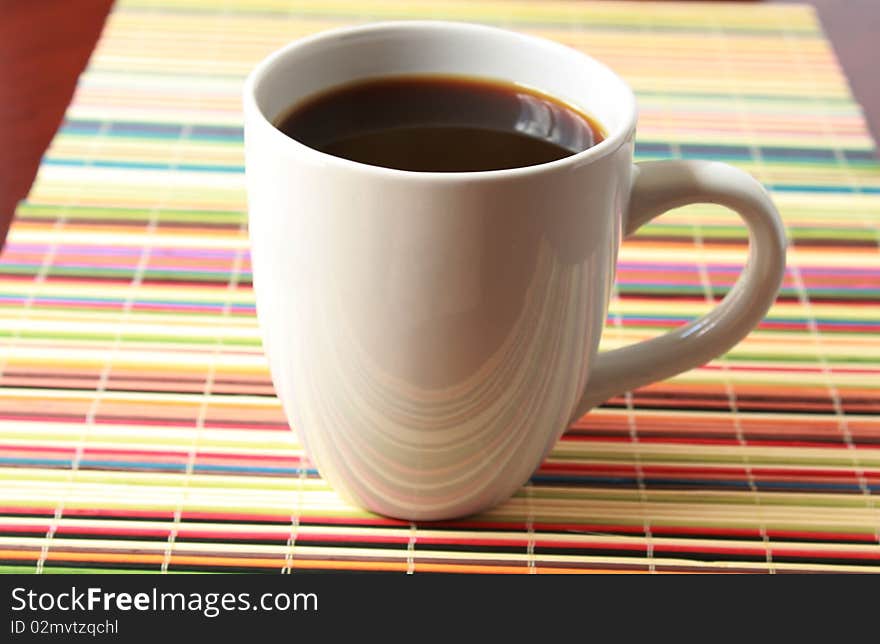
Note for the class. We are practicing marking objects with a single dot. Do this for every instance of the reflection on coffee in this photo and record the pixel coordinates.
(440, 124)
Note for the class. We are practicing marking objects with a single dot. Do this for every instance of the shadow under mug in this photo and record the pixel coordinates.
(431, 335)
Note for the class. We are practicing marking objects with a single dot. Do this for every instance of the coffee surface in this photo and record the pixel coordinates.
(440, 124)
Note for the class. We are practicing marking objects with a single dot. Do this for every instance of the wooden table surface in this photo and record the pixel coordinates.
(44, 45)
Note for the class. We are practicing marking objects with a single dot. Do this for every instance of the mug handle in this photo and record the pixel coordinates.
(659, 186)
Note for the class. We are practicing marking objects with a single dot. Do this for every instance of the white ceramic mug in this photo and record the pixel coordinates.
(431, 335)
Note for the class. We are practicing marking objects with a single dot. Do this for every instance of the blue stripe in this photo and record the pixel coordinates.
(47, 462)
(631, 265)
(154, 130)
(871, 190)
(100, 300)
(690, 150)
(197, 467)
(119, 127)
(123, 270)
(788, 320)
(861, 155)
(166, 466)
(247, 468)
(729, 151)
(217, 132)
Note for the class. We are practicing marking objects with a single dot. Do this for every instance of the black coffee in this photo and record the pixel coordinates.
(440, 124)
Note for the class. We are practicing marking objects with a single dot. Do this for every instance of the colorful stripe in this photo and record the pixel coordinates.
(139, 431)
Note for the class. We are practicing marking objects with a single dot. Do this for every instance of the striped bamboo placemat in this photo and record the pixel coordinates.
(138, 426)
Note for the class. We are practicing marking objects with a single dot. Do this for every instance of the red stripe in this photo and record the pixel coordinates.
(822, 554)
(644, 437)
(133, 531)
(696, 470)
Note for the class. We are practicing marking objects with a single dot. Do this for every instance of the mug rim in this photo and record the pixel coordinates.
(607, 146)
